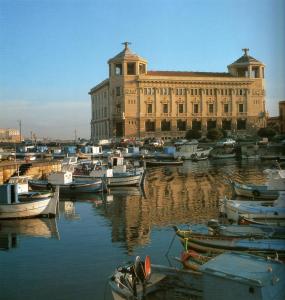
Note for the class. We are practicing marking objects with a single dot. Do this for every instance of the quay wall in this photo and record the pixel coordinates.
(35, 169)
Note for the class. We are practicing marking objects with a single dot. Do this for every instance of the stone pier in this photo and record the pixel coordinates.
(35, 169)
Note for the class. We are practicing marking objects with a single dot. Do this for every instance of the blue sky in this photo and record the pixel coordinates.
(53, 51)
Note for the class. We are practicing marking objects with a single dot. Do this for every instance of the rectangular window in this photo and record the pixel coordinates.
(240, 108)
(118, 91)
(195, 108)
(165, 108)
(181, 108)
(211, 108)
(226, 108)
(119, 69)
(131, 69)
(149, 108)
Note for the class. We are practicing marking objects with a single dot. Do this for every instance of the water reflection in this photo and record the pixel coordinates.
(12, 230)
(101, 231)
(174, 195)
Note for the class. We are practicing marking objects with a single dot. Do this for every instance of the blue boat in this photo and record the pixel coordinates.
(230, 275)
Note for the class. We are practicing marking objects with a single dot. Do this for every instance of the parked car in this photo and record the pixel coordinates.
(226, 142)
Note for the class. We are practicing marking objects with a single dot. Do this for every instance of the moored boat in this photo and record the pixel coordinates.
(216, 279)
(164, 162)
(234, 209)
(254, 190)
(234, 231)
(67, 183)
(11, 206)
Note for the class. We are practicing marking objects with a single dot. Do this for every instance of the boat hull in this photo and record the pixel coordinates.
(115, 181)
(255, 191)
(91, 186)
(29, 209)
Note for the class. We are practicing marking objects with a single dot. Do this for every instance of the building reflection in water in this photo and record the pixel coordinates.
(174, 195)
(12, 230)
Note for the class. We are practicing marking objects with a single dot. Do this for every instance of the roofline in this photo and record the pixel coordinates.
(188, 74)
(99, 86)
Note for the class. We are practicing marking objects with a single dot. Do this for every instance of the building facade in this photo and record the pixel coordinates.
(137, 103)
(9, 135)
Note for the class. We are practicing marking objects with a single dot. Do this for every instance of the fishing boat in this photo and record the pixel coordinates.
(115, 173)
(220, 278)
(214, 245)
(214, 228)
(11, 206)
(67, 183)
(265, 210)
(111, 180)
(164, 162)
(254, 190)
(190, 150)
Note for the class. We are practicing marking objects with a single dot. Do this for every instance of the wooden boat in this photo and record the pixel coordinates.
(214, 245)
(115, 174)
(12, 207)
(235, 231)
(276, 223)
(113, 181)
(190, 150)
(254, 190)
(68, 184)
(164, 162)
(233, 209)
(216, 279)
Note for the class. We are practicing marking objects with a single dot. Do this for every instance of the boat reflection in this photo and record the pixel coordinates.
(12, 230)
(67, 210)
(174, 195)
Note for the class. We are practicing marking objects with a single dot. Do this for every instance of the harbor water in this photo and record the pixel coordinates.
(72, 256)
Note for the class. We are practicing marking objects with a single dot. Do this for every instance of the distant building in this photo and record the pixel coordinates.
(9, 135)
(136, 103)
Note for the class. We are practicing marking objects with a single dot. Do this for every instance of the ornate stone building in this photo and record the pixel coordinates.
(136, 103)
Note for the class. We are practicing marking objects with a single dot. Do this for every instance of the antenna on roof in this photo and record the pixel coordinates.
(126, 45)
(245, 51)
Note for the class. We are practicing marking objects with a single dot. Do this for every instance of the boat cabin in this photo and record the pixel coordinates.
(22, 183)
(8, 193)
(117, 163)
(60, 178)
(238, 276)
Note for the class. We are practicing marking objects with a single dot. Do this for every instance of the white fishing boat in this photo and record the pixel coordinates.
(254, 190)
(115, 173)
(11, 206)
(190, 150)
(235, 209)
(67, 183)
(110, 179)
